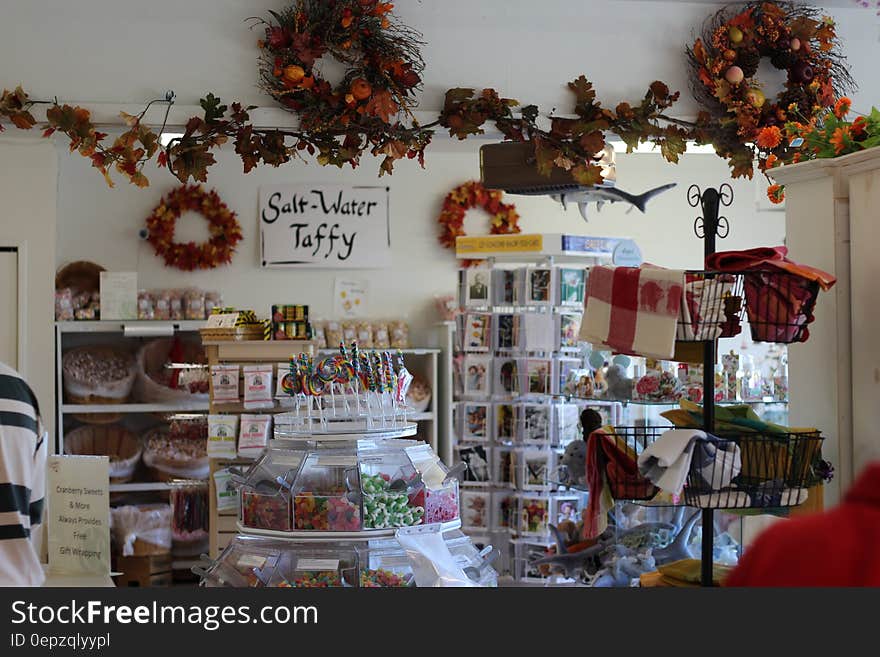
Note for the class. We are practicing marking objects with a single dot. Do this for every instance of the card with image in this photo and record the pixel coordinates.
(475, 509)
(538, 376)
(504, 463)
(475, 418)
(507, 332)
(506, 373)
(476, 287)
(569, 331)
(572, 286)
(536, 421)
(506, 286)
(505, 423)
(477, 375)
(535, 470)
(476, 457)
(563, 370)
(539, 286)
(476, 331)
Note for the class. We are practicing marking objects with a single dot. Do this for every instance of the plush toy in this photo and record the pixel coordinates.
(575, 457)
(620, 387)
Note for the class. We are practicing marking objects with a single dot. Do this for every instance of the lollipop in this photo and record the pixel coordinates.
(326, 369)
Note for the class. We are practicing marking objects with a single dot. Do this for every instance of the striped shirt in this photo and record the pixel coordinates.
(23, 451)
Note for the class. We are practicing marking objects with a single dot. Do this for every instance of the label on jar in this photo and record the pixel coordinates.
(336, 461)
(317, 564)
(252, 561)
(396, 561)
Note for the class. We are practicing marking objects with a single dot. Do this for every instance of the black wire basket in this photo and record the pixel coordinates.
(618, 456)
(753, 471)
(779, 305)
(711, 308)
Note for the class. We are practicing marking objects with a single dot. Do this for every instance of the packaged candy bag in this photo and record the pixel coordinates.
(225, 382)
(222, 430)
(399, 334)
(254, 434)
(258, 386)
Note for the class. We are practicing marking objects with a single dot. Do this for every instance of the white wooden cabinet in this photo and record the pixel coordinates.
(834, 378)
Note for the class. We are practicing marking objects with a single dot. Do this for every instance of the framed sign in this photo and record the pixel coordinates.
(324, 226)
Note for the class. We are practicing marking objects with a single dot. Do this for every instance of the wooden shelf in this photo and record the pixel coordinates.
(118, 325)
(258, 350)
(186, 407)
(414, 351)
(140, 487)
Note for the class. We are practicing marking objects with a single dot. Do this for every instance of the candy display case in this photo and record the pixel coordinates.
(346, 487)
(255, 561)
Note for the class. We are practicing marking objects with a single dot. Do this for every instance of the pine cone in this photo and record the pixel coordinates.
(799, 97)
(748, 61)
(782, 59)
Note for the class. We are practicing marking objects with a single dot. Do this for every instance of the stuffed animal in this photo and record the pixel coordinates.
(574, 459)
(620, 387)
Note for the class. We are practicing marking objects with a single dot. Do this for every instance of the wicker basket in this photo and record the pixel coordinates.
(168, 469)
(151, 361)
(245, 332)
(122, 446)
(80, 390)
(81, 276)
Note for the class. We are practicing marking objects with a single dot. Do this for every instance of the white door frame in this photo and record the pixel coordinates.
(20, 247)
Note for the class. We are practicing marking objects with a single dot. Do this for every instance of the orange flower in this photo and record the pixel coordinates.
(841, 107)
(769, 137)
(858, 126)
(838, 138)
(770, 161)
(776, 193)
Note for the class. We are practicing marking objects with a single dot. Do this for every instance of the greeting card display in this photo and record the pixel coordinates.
(505, 466)
(539, 332)
(565, 370)
(533, 514)
(567, 423)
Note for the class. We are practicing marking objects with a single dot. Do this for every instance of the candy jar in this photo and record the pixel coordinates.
(326, 492)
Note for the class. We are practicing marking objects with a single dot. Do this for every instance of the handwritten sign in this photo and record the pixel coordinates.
(79, 515)
(324, 226)
(119, 291)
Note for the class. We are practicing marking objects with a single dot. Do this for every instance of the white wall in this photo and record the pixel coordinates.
(28, 192)
(105, 50)
(99, 224)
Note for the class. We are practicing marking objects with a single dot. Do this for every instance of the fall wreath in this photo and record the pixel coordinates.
(223, 226)
(383, 73)
(504, 218)
(740, 121)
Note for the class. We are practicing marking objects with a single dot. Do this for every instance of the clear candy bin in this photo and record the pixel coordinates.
(369, 487)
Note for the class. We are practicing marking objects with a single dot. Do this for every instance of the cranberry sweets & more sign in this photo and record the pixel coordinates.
(327, 226)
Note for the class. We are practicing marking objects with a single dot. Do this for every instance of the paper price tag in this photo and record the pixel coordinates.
(317, 564)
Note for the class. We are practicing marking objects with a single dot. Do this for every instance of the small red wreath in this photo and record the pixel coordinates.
(504, 218)
(223, 226)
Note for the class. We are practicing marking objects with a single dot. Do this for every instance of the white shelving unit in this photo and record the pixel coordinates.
(77, 333)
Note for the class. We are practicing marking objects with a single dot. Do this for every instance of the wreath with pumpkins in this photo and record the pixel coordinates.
(737, 117)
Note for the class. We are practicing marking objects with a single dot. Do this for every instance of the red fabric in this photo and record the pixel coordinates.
(595, 482)
(840, 547)
(764, 258)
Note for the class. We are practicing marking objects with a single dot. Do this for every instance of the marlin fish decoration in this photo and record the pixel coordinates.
(603, 195)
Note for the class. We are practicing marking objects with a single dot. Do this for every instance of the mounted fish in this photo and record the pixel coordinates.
(510, 166)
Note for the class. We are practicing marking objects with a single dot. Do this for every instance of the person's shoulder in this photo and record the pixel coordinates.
(6, 370)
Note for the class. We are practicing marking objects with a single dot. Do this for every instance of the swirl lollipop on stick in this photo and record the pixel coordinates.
(404, 379)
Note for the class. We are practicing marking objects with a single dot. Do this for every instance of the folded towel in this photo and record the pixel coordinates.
(716, 462)
(633, 310)
(767, 258)
(667, 460)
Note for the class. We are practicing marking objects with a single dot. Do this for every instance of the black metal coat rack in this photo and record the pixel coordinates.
(708, 227)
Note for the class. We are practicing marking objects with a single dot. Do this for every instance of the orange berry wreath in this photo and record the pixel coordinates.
(223, 226)
(504, 218)
(738, 117)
